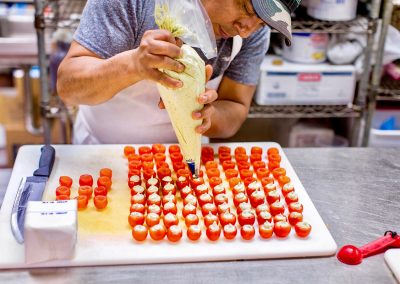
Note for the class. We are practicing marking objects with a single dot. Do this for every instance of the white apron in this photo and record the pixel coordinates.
(132, 116)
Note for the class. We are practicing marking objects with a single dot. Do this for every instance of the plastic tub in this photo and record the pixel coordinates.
(379, 137)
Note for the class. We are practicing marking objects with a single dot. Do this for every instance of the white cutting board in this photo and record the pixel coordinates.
(392, 258)
(116, 246)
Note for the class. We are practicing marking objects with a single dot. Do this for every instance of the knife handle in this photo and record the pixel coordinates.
(46, 161)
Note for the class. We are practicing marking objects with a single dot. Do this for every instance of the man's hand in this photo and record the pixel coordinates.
(206, 99)
(157, 50)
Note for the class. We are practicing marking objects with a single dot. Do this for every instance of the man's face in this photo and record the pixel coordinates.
(232, 17)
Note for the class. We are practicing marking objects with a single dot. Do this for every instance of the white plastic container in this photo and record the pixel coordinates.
(287, 83)
(384, 138)
(332, 10)
(307, 48)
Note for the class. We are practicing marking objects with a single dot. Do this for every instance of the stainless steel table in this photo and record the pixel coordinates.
(355, 190)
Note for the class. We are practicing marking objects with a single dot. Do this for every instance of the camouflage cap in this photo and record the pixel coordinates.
(276, 13)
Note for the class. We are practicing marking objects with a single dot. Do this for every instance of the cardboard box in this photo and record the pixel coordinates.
(286, 83)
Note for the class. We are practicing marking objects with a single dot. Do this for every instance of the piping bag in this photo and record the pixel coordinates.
(187, 20)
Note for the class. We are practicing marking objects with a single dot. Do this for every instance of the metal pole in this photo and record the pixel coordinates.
(44, 86)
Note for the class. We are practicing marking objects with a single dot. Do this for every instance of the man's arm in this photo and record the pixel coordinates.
(230, 110)
(85, 78)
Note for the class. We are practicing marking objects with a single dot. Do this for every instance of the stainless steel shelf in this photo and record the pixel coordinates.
(307, 111)
(360, 25)
(61, 13)
(389, 90)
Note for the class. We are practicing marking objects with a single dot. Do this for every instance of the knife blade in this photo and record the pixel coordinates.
(31, 189)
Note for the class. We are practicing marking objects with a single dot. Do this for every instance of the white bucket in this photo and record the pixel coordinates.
(332, 10)
(307, 48)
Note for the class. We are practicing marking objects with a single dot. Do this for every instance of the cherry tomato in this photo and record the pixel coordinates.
(157, 232)
(221, 198)
(274, 158)
(154, 199)
(170, 220)
(191, 219)
(234, 181)
(148, 165)
(209, 208)
(201, 189)
(214, 181)
(278, 172)
(133, 157)
(82, 201)
(62, 197)
(262, 207)
(263, 217)
(283, 180)
(224, 149)
(213, 231)
(204, 199)
(176, 157)
(166, 180)
(295, 217)
(295, 207)
(174, 149)
(207, 150)
(272, 150)
(211, 164)
(258, 165)
(134, 178)
(169, 198)
(185, 191)
(269, 187)
(267, 180)
(157, 148)
(302, 229)
(256, 150)
(162, 164)
(240, 150)
(151, 189)
(160, 157)
(194, 232)
(135, 165)
(228, 165)
(245, 173)
(85, 190)
(273, 196)
(152, 219)
(276, 208)
(174, 233)
(136, 218)
(266, 230)
(246, 218)
(182, 182)
(138, 198)
(100, 201)
(239, 188)
(213, 172)
(148, 173)
(287, 188)
(255, 158)
(137, 208)
(137, 189)
(169, 188)
(100, 190)
(222, 208)
(249, 180)
(291, 197)
(280, 217)
(128, 150)
(170, 207)
(106, 172)
(243, 207)
(224, 157)
(190, 199)
(86, 180)
(273, 165)
(230, 231)
(257, 198)
(144, 150)
(240, 198)
(247, 232)
(154, 209)
(63, 190)
(104, 181)
(218, 189)
(196, 182)
(227, 218)
(243, 165)
(262, 172)
(139, 233)
(65, 181)
(241, 158)
(282, 229)
(178, 166)
(210, 219)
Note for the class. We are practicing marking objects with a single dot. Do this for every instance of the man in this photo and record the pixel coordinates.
(112, 66)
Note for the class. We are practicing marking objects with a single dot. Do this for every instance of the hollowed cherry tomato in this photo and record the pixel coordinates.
(86, 180)
(194, 232)
(152, 219)
(210, 219)
(133, 157)
(82, 201)
(274, 158)
(170, 207)
(178, 166)
(211, 164)
(106, 172)
(104, 181)
(266, 180)
(138, 198)
(255, 157)
(154, 199)
(243, 165)
(158, 148)
(169, 188)
(240, 150)
(262, 172)
(65, 181)
(213, 172)
(224, 157)
(241, 158)
(247, 232)
(154, 209)
(148, 173)
(273, 196)
(272, 150)
(228, 165)
(174, 148)
(157, 232)
(295, 217)
(264, 216)
(256, 150)
(160, 157)
(63, 190)
(191, 219)
(185, 191)
(258, 165)
(287, 188)
(240, 198)
(227, 218)
(128, 150)
(188, 209)
(291, 197)
(245, 173)
(280, 217)
(302, 229)
(295, 207)
(139, 233)
(224, 149)
(85, 190)
(278, 172)
(209, 208)
(100, 201)
(273, 165)
(176, 157)
(144, 150)
(137, 208)
(170, 220)
(218, 189)
(100, 190)
(214, 181)
(136, 218)
(174, 233)
(276, 208)
(246, 218)
(184, 173)
(62, 197)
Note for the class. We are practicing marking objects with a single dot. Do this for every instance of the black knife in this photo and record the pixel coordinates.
(31, 189)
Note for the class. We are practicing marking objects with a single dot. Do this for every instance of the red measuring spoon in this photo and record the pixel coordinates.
(350, 254)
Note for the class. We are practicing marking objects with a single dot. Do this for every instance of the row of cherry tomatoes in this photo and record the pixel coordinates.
(85, 189)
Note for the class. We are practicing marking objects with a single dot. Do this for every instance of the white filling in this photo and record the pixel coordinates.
(50, 230)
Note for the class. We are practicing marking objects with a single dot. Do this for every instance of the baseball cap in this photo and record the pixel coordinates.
(276, 13)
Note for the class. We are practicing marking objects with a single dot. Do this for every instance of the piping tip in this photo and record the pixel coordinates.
(193, 169)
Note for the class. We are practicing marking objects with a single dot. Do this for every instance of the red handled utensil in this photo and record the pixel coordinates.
(352, 255)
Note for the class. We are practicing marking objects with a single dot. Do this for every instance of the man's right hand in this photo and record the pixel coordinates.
(158, 50)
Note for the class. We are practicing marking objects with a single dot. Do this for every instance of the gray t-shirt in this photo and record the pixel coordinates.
(109, 27)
